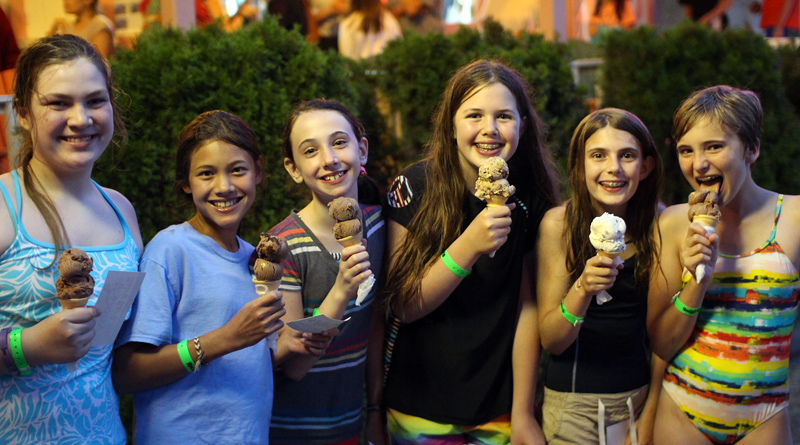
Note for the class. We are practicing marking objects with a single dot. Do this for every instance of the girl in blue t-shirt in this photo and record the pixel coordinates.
(194, 351)
(599, 368)
(325, 149)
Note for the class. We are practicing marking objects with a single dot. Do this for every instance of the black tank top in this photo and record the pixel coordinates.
(611, 354)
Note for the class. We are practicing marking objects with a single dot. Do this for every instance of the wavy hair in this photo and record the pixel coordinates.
(438, 222)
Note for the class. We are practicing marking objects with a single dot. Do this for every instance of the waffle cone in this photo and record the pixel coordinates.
(71, 303)
(496, 201)
(351, 240)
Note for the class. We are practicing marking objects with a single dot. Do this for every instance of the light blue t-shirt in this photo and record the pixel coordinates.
(53, 405)
(192, 287)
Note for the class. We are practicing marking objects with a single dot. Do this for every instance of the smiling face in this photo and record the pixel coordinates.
(486, 124)
(327, 155)
(70, 118)
(713, 158)
(222, 182)
(614, 166)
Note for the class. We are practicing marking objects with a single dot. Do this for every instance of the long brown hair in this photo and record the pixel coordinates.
(53, 50)
(438, 222)
(641, 223)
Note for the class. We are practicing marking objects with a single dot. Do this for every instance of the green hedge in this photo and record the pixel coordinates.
(258, 73)
(649, 74)
(415, 70)
(261, 71)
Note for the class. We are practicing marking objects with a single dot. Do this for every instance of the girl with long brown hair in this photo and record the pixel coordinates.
(455, 307)
(65, 101)
(599, 367)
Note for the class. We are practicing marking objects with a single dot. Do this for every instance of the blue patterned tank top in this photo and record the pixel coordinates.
(53, 405)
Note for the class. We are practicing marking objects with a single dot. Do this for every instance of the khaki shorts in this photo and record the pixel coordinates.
(569, 418)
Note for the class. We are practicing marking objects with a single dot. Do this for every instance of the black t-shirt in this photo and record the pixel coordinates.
(454, 365)
(611, 350)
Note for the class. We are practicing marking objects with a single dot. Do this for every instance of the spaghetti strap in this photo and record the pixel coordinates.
(777, 217)
(13, 212)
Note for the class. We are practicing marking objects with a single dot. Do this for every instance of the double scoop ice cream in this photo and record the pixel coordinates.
(704, 209)
(347, 214)
(271, 250)
(607, 235)
(492, 185)
(74, 285)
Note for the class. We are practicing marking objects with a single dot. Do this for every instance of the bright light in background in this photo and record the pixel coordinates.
(231, 6)
(458, 11)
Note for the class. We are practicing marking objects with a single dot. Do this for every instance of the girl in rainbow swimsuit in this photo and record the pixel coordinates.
(726, 338)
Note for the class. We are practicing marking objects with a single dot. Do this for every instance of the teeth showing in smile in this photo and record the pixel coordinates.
(78, 139)
(225, 204)
(487, 146)
(611, 184)
(334, 176)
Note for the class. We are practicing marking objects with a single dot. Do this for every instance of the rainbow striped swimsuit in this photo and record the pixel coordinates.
(732, 374)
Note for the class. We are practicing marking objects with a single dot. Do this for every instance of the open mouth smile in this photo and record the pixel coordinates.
(222, 205)
(334, 176)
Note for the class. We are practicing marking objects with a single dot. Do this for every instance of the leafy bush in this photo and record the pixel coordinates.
(258, 73)
(415, 70)
(650, 74)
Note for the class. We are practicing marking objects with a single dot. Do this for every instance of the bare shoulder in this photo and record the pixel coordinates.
(674, 220)
(790, 209)
(126, 208)
(553, 222)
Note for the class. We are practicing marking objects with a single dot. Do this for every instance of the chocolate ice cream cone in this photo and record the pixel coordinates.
(351, 240)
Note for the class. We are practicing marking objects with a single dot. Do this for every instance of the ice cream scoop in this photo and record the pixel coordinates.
(271, 251)
(704, 209)
(347, 214)
(492, 185)
(74, 285)
(348, 232)
(607, 235)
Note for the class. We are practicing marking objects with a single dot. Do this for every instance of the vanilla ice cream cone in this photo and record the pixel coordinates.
(71, 303)
(709, 224)
(351, 240)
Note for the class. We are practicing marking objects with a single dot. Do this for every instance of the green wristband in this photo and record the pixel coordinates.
(186, 358)
(682, 307)
(575, 321)
(455, 268)
(15, 345)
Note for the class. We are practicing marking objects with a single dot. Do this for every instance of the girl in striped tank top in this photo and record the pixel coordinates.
(726, 337)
